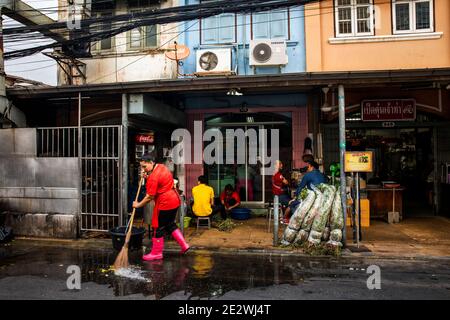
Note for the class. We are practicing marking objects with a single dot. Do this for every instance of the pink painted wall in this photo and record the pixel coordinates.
(299, 133)
(192, 170)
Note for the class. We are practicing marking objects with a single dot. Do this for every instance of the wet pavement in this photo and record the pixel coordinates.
(31, 271)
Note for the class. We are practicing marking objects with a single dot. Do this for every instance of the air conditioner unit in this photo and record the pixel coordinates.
(268, 53)
(213, 61)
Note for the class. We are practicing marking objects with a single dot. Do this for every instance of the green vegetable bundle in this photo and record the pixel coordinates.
(336, 221)
(320, 220)
(302, 209)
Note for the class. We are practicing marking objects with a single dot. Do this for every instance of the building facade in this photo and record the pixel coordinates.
(256, 44)
(374, 35)
(277, 71)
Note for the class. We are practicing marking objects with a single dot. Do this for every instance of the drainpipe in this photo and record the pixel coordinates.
(124, 157)
(3, 99)
(341, 93)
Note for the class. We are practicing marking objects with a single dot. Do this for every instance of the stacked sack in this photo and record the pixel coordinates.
(318, 218)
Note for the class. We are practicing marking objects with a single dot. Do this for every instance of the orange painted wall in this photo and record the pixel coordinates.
(380, 55)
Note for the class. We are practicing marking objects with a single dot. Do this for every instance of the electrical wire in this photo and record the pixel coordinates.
(7, 44)
(142, 57)
(125, 26)
(169, 14)
(35, 69)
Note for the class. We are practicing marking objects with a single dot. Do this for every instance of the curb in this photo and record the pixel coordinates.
(105, 244)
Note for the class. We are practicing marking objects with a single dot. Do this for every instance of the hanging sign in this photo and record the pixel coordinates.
(388, 110)
(147, 138)
(358, 161)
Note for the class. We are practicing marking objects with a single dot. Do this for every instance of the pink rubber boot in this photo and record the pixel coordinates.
(157, 249)
(180, 239)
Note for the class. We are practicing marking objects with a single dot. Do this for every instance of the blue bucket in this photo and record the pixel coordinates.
(240, 213)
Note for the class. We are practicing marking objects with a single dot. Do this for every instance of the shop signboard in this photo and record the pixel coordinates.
(388, 110)
(358, 161)
(147, 138)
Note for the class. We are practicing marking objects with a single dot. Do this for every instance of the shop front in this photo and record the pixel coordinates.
(404, 136)
(247, 164)
(251, 142)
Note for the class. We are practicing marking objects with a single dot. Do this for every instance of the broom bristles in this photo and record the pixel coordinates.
(122, 259)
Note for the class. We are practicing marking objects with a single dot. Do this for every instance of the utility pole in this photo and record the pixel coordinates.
(341, 94)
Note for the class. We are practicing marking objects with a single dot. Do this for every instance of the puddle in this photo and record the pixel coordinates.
(197, 274)
(132, 273)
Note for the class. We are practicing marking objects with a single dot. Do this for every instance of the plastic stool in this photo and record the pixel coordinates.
(203, 218)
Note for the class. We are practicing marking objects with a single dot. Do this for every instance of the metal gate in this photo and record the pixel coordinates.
(101, 170)
(101, 174)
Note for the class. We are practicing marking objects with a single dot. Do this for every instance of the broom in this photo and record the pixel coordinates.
(122, 257)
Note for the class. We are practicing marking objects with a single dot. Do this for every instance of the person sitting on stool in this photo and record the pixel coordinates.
(203, 196)
(312, 177)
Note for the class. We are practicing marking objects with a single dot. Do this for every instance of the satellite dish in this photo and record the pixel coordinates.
(177, 52)
(208, 61)
(262, 52)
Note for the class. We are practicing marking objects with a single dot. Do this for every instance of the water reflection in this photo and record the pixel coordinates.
(197, 275)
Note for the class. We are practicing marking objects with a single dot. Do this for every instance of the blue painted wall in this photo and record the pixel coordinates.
(215, 30)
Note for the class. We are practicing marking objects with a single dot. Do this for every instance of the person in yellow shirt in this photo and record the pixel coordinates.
(203, 198)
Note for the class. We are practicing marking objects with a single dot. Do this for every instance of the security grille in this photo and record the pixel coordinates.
(101, 168)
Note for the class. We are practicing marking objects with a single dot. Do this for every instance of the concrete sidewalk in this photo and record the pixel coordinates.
(412, 238)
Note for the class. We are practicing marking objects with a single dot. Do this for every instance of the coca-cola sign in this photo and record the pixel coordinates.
(145, 138)
(388, 110)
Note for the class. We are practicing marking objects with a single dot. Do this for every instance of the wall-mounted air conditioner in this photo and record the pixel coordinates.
(213, 61)
(268, 53)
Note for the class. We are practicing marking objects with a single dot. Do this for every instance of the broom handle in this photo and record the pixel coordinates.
(127, 239)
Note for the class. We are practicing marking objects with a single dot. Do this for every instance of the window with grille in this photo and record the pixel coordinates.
(354, 18)
(411, 16)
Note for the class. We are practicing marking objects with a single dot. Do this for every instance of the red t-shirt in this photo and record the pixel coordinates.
(277, 184)
(224, 197)
(160, 185)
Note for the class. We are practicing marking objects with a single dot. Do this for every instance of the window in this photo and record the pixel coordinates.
(142, 37)
(219, 29)
(411, 16)
(271, 24)
(354, 18)
(104, 44)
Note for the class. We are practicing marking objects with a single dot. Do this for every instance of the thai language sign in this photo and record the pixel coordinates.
(388, 110)
(358, 161)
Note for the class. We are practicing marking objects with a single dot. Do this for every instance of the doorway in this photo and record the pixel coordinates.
(244, 164)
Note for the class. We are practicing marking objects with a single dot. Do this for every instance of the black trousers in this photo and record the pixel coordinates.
(220, 208)
(166, 222)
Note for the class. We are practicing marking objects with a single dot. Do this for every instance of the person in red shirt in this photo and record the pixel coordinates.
(160, 187)
(279, 184)
(229, 199)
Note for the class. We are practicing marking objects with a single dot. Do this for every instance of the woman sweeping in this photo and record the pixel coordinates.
(160, 188)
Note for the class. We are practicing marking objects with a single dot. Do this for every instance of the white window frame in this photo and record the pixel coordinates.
(412, 16)
(143, 44)
(354, 20)
(96, 45)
